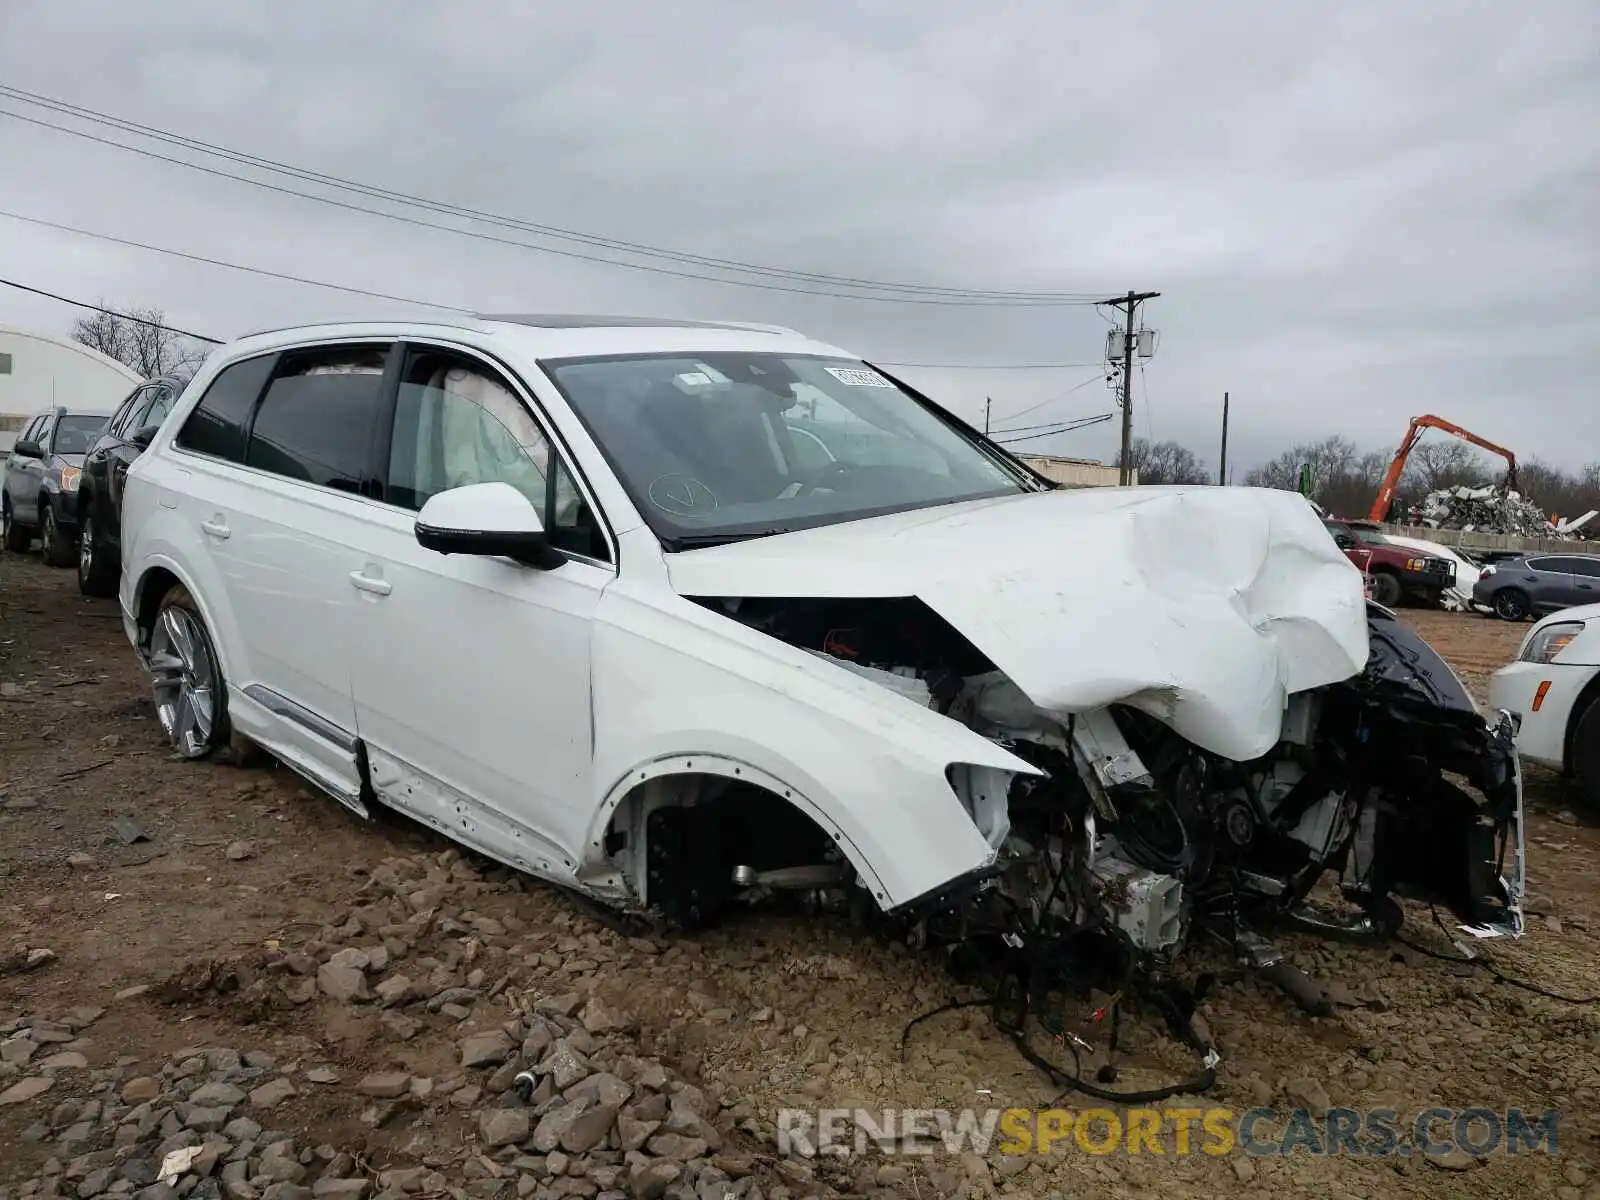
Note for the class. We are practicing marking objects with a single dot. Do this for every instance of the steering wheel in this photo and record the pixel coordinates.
(823, 475)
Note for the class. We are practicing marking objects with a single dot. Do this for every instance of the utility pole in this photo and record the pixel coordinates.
(1129, 304)
(1222, 468)
(987, 401)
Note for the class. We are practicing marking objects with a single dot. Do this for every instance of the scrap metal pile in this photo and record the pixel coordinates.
(1491, 510)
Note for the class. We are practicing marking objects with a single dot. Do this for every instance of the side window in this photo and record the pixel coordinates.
(32, 430)
(317, 419)
(121, 424)
(47, 425)
(1589, 568)
(457, 423)
(165, 397)
(1546, 566)
(217, 424)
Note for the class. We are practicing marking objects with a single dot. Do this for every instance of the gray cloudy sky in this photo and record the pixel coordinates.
(1354, 212)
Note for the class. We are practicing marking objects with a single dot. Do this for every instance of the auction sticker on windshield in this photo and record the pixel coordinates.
(856, 377)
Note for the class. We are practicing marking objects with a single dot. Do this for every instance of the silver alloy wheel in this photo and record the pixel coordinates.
(47, 532)
(86, 549)
(185, 681)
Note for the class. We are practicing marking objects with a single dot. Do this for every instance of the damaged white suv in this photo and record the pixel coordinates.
(679, 614)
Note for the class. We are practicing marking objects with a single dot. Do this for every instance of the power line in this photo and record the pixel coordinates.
(954, 366)
(1083, 424)
(218, 262)
(911, 293)
(22, 287)
(1050, 399)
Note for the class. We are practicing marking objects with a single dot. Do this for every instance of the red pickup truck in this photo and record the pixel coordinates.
(1398, 573)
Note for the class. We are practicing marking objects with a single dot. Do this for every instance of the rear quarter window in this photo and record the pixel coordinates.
(316, 422)
(217, 425)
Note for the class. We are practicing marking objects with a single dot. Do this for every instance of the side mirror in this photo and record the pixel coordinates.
(491, 519)
(1344, 541)
(28, 448)
(144, 435)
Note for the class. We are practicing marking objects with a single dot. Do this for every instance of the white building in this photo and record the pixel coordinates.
(1074, 472)
(38, 370)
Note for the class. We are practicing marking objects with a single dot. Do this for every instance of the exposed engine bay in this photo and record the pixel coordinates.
(1390, 784)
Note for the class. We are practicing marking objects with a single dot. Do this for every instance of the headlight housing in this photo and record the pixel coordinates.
(1550, 641)
(70, 477)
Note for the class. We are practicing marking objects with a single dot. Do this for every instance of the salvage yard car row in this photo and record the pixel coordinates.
(681, 615)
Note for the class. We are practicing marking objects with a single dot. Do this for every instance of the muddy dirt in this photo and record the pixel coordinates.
(216, 947)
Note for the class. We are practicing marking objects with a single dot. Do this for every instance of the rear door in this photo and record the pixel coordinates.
(281, 469)
(1552, 586)
(1586, 578)
(152, 409)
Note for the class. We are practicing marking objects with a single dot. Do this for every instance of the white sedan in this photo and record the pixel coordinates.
(1553, 688)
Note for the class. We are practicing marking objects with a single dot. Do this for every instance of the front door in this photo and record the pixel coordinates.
(472, 674)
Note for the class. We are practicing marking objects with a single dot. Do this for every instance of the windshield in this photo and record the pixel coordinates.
(715, 447)
(75, 434)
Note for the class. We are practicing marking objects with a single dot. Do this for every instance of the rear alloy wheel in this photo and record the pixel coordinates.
(189, 695)
(54, 545)
(97, 570)
(16, 537)
(1386, 589)
(1511, 605)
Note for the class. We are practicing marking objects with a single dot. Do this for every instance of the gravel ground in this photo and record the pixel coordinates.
(297, 1004)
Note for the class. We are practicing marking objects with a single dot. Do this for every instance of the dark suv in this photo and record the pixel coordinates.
(1398, 572)
(1535, 584)
(105, 467)
(39, 492)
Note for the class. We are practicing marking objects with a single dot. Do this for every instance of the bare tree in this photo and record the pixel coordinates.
(139, 338)
(1441, 464)
(1167, 462)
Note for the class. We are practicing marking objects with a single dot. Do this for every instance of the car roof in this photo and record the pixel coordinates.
(555, 335)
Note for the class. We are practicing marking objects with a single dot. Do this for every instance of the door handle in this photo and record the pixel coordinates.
(366, 583)
(217, 528)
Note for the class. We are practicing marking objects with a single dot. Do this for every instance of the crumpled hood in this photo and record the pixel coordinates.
(1203, 606)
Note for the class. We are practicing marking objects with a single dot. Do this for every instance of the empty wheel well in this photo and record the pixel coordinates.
(678, 838)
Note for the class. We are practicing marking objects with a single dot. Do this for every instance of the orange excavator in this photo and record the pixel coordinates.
(1391, 480)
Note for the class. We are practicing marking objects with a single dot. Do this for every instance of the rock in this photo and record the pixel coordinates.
(600, 1018)
(1566, 816)
(565, 1064)
(270, 1095)
(633, 1132)
(216, 1095)
(140, 1089)
(324, 1075)
(1453, 1160)
(343, 982)
(239, 851)
(562, 1006)
(25, 1090)
(486, 1049)
(650, 1180)
(399, 1025)
(1309, 1095)
(589, 1131)
(554, 1124)
(394, 990)
(69, 1061)
(385, 1085)
(1243, 1169)
(452, 997)
(79, 861)
(503, 1126)
(676, 1145)
(342, 1189)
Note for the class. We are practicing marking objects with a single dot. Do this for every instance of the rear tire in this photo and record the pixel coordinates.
(190, 694)
(1512, 604)
(1386, 589)
(98, 572)
(55, 545)
(16, 537)
(1586, 755)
